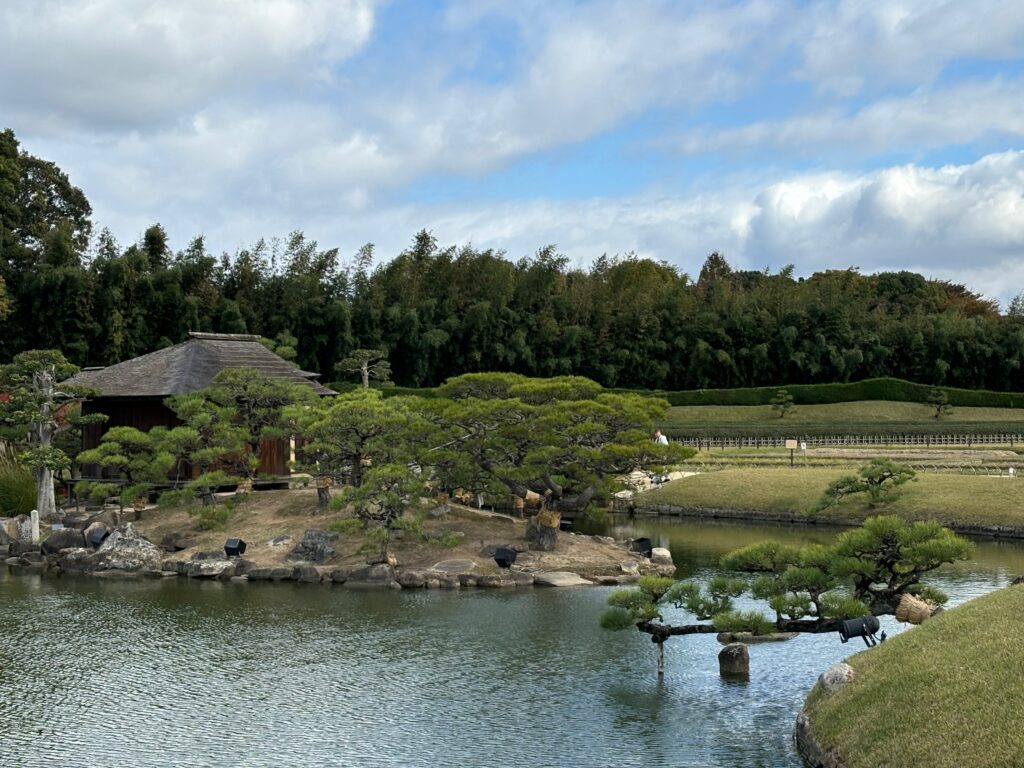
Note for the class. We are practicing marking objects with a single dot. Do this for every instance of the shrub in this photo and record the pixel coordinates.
(345, 526)
(212, 518)
(448, 540)
(17, 489)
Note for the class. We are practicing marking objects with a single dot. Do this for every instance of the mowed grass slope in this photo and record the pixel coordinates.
(946, 694)
(881, 412)
(947, 498)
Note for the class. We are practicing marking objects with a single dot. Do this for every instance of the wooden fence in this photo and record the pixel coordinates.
(834, 441)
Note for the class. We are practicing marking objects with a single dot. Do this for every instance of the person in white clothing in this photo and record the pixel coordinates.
(659, 438)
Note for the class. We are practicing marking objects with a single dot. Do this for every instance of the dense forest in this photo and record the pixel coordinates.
(440, 311)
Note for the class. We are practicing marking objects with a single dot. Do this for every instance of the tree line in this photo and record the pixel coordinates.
(438, 310)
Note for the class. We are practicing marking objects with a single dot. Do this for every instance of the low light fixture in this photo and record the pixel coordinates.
(643, 546)
(234, 548)
(865, 627)
(505, 557)
(97, 537)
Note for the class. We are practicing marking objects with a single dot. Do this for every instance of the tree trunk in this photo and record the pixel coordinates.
(365, 372)
(46, 501)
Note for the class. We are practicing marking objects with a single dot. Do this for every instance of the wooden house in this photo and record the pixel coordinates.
(132, 393)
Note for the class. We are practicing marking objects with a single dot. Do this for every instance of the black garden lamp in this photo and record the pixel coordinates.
(864, 627)
(234, 548)
(505, 557)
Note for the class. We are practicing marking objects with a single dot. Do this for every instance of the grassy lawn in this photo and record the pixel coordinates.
(946, 694)
(950, 499)
(835, 415)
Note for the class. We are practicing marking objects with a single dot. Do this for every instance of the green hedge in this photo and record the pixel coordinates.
(803, 394)
(869, 389)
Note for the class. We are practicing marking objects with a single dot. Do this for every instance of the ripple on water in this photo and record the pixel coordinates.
(172, 673)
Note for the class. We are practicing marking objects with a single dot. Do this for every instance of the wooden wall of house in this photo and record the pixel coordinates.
(146, 413)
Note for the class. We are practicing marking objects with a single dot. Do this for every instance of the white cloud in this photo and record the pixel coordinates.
(136, 65)
(926, 119)
(854, 45)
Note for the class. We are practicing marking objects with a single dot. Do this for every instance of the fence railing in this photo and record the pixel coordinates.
(839, 440)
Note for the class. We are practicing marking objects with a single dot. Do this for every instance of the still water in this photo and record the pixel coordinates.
(179, 673)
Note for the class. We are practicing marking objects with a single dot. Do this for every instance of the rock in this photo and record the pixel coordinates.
(109, 517)
(339, 575)
(412, 579)
(92, 528)
(210, 569)
(5, 540)
(467, 580)
(748, 638)
(9, 529)
(126, 550)
(454, 566)
(176, 542)
(271, 574)
(836, 676)
(208, 554)
(632, 567)
(316, 547)
(243, 566)
(432, 584)
(33, 560)
(307, 574)
(438, 512)
(810, 750)
(178, 567)
(1018, 580)
(734, 661)
(449, 581)
(559, 579)
(280, 541)
(495, 580)
(65, 538)
(19, 548)
(380, 574)
(239, 578)
(522, 579)
(661, 556)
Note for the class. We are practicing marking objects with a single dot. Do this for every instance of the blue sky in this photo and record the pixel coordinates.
(883, 135)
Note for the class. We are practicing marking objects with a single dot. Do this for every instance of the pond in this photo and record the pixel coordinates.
(159, 673)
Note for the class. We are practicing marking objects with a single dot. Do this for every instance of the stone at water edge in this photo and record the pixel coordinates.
(380, 574)
(126, 550)
(65, 538)
(661, 556)
(559, 579)
(836, 676)
(734, 660)
(93, 528)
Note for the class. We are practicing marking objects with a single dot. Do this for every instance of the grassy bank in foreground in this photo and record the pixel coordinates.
(950, 499)
(942, 695)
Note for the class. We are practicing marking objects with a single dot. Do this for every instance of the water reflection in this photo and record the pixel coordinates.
(161, 673)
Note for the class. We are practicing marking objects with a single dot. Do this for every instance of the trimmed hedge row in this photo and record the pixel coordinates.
(897, 390)
(869, 389)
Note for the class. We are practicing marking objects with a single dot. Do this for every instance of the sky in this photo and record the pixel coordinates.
(877, 135)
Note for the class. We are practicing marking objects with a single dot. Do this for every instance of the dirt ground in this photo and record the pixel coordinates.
(268, 515)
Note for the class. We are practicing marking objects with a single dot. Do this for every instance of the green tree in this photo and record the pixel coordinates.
(782, 403)
(939, 400)
(142, 458)
(563, 438)
(369, 364)
(36, 408)
(345, 435)
(809, 589)
(879, 479)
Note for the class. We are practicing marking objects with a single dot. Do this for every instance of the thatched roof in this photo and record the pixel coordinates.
(192, 365)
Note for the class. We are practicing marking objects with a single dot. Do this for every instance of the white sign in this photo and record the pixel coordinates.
(791, 445)
(803, 446)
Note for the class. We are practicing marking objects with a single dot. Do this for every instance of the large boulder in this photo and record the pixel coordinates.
(381, 575)
(316, 547)
(271, 574)
(734, 661)
(126, 550)
(210, 569)
(63, 538)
